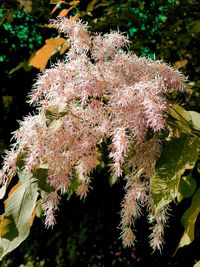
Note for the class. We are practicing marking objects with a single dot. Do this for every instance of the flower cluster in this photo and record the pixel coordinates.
(99, 92)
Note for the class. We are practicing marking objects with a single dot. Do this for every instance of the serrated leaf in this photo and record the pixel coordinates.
(18, 214)
(177, 156)
(186, 187)
(188, 220)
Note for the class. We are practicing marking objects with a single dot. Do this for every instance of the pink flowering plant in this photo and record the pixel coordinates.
(99, 93)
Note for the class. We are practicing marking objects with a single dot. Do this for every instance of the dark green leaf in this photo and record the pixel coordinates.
(195, 26)
(41, 175)
(73, 186)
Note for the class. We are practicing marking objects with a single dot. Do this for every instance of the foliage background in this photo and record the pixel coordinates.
(86, 233)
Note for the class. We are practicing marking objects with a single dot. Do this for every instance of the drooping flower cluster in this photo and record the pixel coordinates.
(99, 92)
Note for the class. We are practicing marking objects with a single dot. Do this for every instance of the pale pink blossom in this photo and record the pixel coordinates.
(98, 93)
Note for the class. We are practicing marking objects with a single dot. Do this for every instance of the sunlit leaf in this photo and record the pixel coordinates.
(41, 57)
(197, 264)
(74, 3)
(195, 116)
(189, 219)
(2, 191)
(64, 12)
(177, 156)
(12, 191)
(182, 117)
(63, 48)
(186, 187)
(17, 218)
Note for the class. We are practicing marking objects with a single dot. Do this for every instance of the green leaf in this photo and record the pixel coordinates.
(198, 167)
(16, 220)
(20, 161)
(189, 219)
(41, 174)
(195, 116)
(195, 26)
(90, 6)
(177, 156)
(182, 117)
(73, 185)
(187, 186)
(8, 228)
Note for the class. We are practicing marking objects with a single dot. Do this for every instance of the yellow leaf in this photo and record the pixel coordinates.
(63, 48)
(76, 17)
(32, 217)
(4, 222)
(181, 63)
(41, 57)
(64, 12)
(74, 3)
